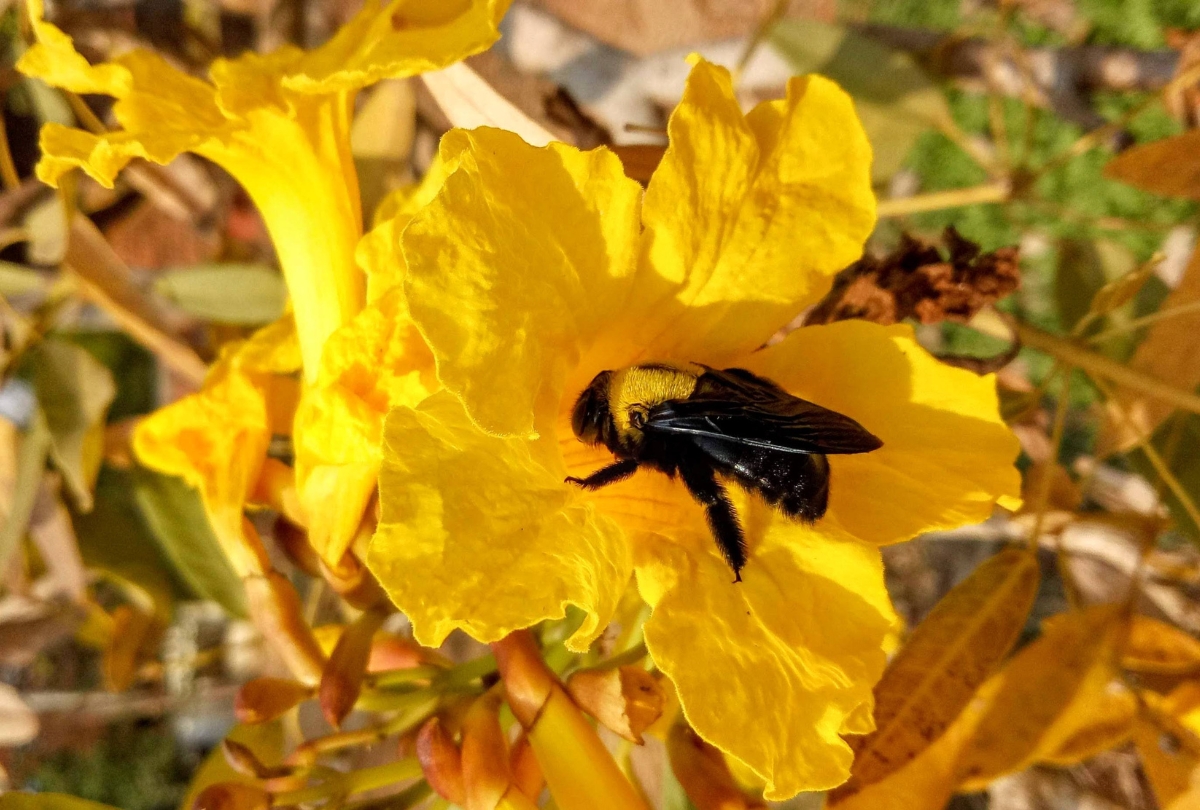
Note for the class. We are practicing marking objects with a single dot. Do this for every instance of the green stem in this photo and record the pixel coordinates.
(358, 781)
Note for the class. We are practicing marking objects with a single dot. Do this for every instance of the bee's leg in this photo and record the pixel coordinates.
(608, 475)
(722, 518)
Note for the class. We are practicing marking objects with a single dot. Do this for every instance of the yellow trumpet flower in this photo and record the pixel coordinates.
(280, 124)
(532, 270)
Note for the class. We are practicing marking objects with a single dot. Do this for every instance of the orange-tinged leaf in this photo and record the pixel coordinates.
(1100, 716)
(1170, 755)
(1170, 352)
(1170, 167)
(927, 782)
(950, 654)
(1160, 648)
(1036, 688)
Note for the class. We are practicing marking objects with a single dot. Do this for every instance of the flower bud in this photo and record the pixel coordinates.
(232, 796)
(441, 761)
(703, 773)
(625, 700)
(342, 679)
(485, 768)
(526, 770)
(264, 699)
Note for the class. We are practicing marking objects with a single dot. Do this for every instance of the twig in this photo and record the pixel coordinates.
(1097, 365)
(937, 200)
(106, 281)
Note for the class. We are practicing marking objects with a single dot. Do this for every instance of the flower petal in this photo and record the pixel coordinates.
(480, 533)
(772, 669)
(216, 440)
(541, 242)
(947, 456)
(53, 57)
(376, 362)
(400, 38)
(749, 217)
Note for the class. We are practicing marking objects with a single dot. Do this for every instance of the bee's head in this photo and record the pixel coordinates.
(590, 419)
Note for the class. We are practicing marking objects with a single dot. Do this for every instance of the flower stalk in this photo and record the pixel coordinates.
(578, 768)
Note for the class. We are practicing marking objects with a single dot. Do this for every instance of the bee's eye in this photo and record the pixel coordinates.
(637, 419)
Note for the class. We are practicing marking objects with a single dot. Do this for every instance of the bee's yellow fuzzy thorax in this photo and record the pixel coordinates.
(638, 388)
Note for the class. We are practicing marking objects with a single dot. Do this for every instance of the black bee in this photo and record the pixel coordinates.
(705, 423)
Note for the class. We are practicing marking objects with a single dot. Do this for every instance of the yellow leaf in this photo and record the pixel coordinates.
(1036, 688)
(927, 782)
(1170, 353)
(1160, 648)
(950, 654)
(1101, 716)
(1121, 290)
(1170, 753)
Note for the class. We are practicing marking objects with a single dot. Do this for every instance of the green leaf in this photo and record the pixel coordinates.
(48, 801)
(114, 537)
(31, 464)
(175, 516)
(74, 392)
(133, 367)
(1080, 276)
(895, 99)
(243, 294)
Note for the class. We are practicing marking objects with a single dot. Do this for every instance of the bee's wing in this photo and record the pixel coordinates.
(740, 408)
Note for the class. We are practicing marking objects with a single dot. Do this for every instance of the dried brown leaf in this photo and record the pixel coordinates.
(917, 281)
(625, 700)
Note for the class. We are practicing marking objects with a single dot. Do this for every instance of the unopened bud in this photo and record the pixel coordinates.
(526, 771)
(625, 700)
(277, 613)
(342, 679)
(441, 762)
(232, 796)
(264, 699)
(703, 773)
(486, 775)
(390, 652)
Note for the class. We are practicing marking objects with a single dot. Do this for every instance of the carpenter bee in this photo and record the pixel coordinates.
(708, 423)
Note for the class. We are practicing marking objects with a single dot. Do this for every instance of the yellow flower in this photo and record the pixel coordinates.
(217, 439)
(533, 270)
(280, 124)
